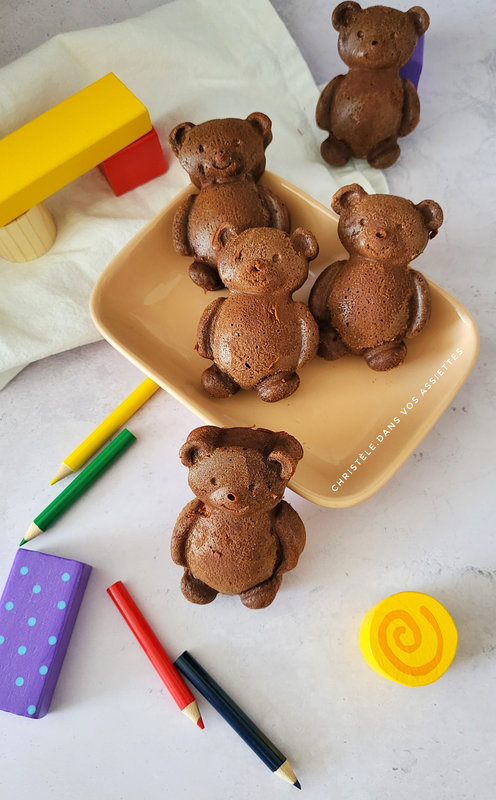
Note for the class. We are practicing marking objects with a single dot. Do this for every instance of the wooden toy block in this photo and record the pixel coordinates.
(136, 164)
(38, 611)
(409, 637)
(28, 236)
(66, 141)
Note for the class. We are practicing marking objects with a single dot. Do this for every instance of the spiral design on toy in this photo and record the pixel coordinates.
(409, 638)
(400, 633)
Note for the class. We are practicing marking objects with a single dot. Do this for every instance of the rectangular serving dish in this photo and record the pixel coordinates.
(357, 426)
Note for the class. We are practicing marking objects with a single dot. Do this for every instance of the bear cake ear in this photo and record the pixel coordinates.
(224, 232)
(344, 14)
(432, 214)
(305, 243)
(286, 452)
(345, 196)
(262, 125)
(420, 19)
(176, 136)
(199, 443)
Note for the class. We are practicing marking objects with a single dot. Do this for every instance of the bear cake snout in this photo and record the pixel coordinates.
(231, 499)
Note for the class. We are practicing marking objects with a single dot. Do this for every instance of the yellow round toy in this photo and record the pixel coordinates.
(409, 638)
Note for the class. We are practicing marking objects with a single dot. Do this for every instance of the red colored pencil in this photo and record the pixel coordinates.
(155, 652)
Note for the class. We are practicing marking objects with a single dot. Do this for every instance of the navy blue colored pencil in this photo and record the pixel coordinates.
(237, 719)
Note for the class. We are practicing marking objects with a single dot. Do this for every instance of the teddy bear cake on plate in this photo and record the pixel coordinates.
(224, 159)
(258, 336)
(370, 303)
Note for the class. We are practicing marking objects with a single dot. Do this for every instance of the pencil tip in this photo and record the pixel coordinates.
(200, 724)
(62, 472)
(23, 541)
(297, 784)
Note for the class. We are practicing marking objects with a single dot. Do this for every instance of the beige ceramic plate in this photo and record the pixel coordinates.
(357, 426)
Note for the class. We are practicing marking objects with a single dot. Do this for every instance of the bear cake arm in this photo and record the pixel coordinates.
(180, 227)
(411, 109)
(279, 214)
(205, 324)
(321, 290)
(323, 110)
(420, 305)
(184, 523)
(291, 534)
(309, 334)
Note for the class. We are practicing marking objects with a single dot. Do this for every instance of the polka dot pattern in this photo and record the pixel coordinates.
(38, 607)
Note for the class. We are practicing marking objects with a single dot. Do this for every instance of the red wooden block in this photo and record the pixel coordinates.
(135, 164)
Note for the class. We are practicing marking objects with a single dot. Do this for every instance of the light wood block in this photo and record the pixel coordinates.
(409, 638)
(29, 236)
(66, 141)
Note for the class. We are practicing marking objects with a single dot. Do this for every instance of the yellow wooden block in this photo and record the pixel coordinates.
(409, 637)
(29, 236)
(66, 141)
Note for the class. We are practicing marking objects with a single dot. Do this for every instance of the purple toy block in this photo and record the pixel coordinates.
(38, 611)
(413, 68)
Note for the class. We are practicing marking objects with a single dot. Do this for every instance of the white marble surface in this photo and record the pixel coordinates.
(113, 732)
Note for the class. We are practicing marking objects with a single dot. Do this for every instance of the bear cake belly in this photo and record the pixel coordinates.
(354, 117)
(254, 338)
(233, 556)
(370, 311)
(238, 203)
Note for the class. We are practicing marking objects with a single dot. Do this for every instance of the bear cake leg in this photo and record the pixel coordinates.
(385, 356)
(384, 154)
(195, 590)
(277, 387)
(217, 383)
(205, 276)
(262, 595)
(335, 152)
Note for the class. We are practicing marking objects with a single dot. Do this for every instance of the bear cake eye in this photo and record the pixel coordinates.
(201, 148)
(236, 143)
(360, 35)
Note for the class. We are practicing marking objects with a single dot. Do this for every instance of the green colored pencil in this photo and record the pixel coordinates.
(79, 485)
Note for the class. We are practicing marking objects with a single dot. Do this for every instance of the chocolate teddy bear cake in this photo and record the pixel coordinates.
(366, 110)
(258, 336)
(224, 159)
(368, 304)
(238, 536)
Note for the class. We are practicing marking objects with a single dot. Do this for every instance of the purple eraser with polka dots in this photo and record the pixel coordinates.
(38, 611)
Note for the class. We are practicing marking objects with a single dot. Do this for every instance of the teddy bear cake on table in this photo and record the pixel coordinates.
(239, 536)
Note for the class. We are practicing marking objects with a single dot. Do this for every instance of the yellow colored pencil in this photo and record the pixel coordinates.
(104, 431)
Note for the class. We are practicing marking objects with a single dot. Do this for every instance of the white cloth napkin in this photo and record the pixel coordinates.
(190, 60)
